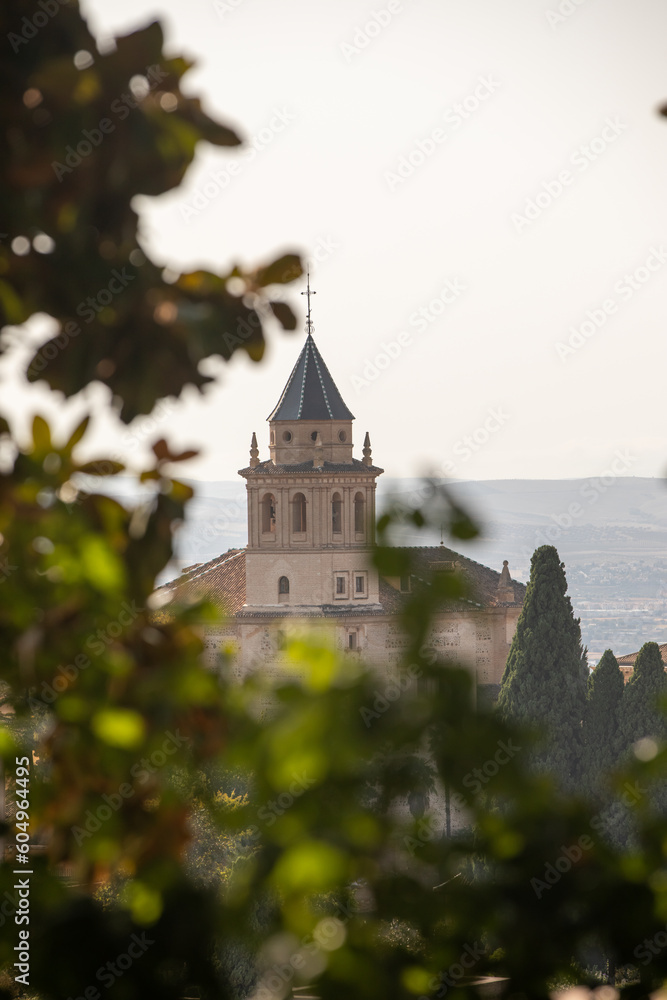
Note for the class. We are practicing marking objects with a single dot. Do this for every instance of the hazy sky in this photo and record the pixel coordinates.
(399, 144)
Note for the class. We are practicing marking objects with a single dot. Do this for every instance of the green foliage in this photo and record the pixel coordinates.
(118, 715)
(642, 717)
(602, 718)
(81, 144)
(544, 683)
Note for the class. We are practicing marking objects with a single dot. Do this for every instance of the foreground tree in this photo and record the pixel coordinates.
(642, 715)
(544, 684)
(602, 718)
(115, 713)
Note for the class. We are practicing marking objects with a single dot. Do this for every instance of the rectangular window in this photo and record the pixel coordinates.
(359, 584)
(341, 585)
(352, 640)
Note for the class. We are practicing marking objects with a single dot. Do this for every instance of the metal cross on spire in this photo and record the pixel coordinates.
(310, 326)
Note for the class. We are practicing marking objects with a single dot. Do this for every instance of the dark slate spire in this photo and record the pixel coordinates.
(310, 393)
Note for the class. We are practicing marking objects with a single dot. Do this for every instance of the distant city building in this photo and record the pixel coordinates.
(627, 662)
(311, 528)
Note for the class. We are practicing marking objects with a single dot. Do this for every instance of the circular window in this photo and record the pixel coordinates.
(342, 436)
(313, 436)
(287, 436)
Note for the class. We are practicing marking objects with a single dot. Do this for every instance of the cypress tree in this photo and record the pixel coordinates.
(545, 677)
(601, 723)
(640, 716)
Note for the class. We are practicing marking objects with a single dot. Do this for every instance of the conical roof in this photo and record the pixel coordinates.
(310, 393)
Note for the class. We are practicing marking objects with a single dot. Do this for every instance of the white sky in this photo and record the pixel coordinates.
(322, 181)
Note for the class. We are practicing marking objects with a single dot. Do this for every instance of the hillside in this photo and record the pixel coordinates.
(611, 534)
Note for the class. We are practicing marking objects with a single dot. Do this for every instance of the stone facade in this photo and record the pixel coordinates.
(311, 518)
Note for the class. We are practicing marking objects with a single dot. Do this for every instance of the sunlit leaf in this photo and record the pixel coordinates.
(312, 866)
(77, 434)
(144, 901)
(119, 727)
(41, 435)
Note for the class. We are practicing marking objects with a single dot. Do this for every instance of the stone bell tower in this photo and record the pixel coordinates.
(311, 505)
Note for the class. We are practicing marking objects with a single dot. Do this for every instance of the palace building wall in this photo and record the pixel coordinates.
(308, 565)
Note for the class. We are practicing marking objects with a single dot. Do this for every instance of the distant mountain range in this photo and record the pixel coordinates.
(611, 534)
(623, 518)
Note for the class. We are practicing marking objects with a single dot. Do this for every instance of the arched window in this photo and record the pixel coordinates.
(336, 513)
(283, 585)
(359, 514)
(268, 513)
(299, 512)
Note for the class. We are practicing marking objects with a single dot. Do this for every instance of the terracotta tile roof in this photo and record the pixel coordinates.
(221, 580)
(629, 659)
(485, 582)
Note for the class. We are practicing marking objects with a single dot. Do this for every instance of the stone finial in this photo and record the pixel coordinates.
(254, 452)
(505, 585)
(367, 450)
(318, 461)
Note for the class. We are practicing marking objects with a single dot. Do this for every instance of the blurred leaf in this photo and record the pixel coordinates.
(101, 467)
(281, 271)
(77, 434)
(41, 435)
(119, 727)
(311, 866)
(284, 315)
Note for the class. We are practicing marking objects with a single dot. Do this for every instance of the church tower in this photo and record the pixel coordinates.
(311, 504)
